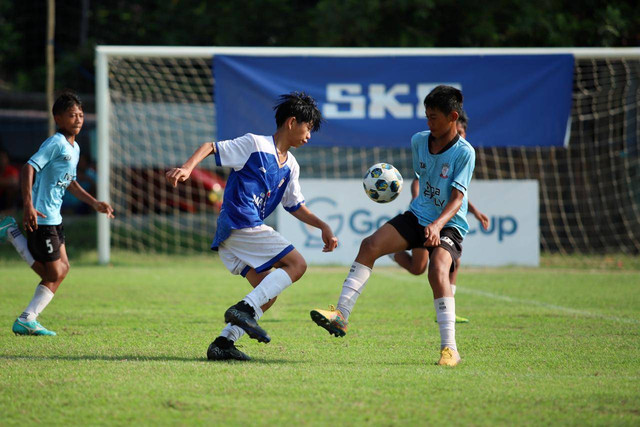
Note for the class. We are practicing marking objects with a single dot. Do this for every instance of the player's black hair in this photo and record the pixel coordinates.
(301, 106)
(66, 100)
(463, 119)
(444, 98)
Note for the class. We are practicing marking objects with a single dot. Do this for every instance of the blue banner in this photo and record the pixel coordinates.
(511, 100)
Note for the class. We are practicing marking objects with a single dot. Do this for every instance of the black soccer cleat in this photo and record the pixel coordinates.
(241, 315)
(224, 349)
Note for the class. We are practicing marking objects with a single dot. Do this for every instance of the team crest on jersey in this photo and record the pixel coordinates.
(445, 171)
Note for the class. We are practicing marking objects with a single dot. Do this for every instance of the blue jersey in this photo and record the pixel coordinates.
(257, 183)
(55, 164)
(438, 175)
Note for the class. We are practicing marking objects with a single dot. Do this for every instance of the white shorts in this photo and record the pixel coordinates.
(256, 247)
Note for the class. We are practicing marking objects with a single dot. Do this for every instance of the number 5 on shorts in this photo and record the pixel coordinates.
(49, 246)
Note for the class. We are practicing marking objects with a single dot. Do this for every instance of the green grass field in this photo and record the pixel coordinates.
(545, 346)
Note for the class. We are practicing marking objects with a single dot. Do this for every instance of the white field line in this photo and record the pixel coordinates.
(513, 300)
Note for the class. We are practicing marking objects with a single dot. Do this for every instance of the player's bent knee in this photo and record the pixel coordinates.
(417, 270)
(370, 246)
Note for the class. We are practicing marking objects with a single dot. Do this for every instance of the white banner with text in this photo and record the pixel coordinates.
(513, 236)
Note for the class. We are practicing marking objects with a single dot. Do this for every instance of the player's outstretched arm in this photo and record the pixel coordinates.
(181, 174)
(305, 215)
(432, 231)
(82, 195)
(484, 220)
(30, 215)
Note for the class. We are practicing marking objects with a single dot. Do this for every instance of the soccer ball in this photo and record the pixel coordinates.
(382, 183)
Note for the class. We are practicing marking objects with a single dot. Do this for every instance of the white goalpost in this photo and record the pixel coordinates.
(155, 106)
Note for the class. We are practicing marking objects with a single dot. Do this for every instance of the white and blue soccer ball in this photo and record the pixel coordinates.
(382, 183)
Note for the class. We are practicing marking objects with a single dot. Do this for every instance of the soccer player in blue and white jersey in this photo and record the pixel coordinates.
(264, 173)
(44, 179)
(436, 219)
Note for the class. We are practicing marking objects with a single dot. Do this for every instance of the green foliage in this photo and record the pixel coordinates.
(544, 347)
(356, 23)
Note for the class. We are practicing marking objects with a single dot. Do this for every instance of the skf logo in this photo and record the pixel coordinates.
(377, 100)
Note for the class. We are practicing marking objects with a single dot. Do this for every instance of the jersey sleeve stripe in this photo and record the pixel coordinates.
(35, 165)
(217, 154)
(293, 208)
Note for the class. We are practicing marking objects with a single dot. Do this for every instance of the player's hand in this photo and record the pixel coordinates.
(330, 241)
(30, 218)
(484, 220)
(105, 208)
(176, 175)
(432, 234)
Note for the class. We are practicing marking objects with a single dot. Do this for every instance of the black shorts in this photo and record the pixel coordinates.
(44, 243)
(408, 226)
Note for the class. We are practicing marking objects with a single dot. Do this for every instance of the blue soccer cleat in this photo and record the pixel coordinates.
(30, 328)
(6, 223)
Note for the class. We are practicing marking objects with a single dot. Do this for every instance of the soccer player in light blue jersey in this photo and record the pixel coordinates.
(264, 173)
(44, 179)
(436, 219)
(415, 262)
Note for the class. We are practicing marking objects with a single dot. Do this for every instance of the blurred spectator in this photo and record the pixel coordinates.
(9, 185)
(86, 177)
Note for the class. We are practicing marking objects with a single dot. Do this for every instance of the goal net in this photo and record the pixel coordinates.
(155, 107)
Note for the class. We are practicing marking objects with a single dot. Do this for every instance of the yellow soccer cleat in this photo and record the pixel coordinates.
(332, 320)
(448, 357)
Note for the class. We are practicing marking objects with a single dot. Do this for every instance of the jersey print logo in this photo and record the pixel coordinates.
(67, 157)
(445, 171)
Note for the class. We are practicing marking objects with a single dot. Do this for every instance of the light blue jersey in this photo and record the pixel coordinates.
(438, 174)
(257, 183)
(55, 164)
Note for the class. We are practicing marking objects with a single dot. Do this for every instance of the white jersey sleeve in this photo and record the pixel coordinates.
(292, 197)
(234, 153)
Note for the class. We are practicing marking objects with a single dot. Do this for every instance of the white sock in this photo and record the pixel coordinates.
(446, 313)
(41, 298)
(233, 332)
(453, 289)
(20, 243)
(352, 288)
(270, 287)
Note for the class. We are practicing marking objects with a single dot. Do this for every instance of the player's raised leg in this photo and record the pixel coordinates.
(445, 305)
(9, 231)
(384, 241)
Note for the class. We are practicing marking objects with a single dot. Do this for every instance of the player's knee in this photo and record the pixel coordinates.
(438, 271)
(417, 269)
(57, 274)
(301, 268)
(371, 247)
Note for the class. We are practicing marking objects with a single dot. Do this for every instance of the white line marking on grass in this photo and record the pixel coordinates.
(491, 295)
